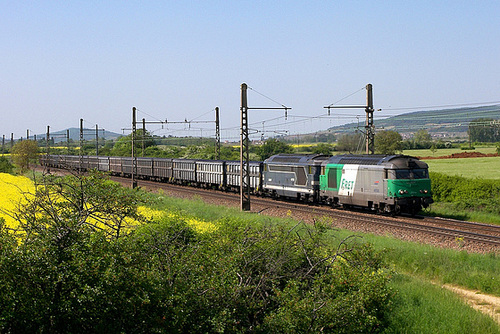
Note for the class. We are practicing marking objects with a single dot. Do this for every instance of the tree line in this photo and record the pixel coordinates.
(146, 145)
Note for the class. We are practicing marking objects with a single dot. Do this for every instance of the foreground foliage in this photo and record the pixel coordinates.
(63, 271)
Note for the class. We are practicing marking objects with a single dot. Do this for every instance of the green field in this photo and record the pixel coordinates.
(486, 168)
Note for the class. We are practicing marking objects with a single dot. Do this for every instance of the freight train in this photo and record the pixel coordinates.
(383, 183)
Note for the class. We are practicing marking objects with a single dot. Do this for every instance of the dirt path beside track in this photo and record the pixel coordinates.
(487, 304)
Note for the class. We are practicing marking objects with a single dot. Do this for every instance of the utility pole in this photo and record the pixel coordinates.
(369, 126)
(217, 134)
(3, 143)
(81, 144)
(244, 153)
(67, 139)
(217, 128)
(47, 139)
(245, 148)
(96, 139)
(134, 161)
(143, 134)
(11, 140)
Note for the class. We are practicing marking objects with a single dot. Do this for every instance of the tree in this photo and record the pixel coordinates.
(484, 130)
(273, 146)
(388, 142)
(433, 148)
(24, 153)
(64, 269)
(123, 146)
(350, 142)
(322, 149)
(422, 139)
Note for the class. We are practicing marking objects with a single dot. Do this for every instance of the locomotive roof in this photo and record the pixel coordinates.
(397, 160)
(296, 158)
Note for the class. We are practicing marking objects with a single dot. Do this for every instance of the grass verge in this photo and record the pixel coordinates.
(421, 307)
(449, 210)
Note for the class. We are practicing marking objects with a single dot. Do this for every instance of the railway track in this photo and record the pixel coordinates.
(469, 235)
(458, 232)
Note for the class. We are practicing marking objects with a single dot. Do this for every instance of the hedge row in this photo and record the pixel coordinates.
(467, 193)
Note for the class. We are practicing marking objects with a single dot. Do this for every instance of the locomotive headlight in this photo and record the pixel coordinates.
(425, 191)
(402, 191)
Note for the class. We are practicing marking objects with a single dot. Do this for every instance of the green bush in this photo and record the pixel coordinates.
(447, 188)
(5, 165)
(466, 193)
(63, 274)
(263, 278)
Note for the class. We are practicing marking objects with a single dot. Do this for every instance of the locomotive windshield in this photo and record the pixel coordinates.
(412, 173)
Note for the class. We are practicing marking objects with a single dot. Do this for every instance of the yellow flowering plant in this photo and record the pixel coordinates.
(74, 202)
(16, 192)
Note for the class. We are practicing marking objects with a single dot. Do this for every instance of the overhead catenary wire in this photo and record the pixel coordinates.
(267, 97)
(280, 123)
(348, 96)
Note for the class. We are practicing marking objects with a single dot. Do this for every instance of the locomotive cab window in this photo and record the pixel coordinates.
(420, 173)
(412, 174)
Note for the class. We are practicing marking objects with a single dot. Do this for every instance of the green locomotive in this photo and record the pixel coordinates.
(386, 183)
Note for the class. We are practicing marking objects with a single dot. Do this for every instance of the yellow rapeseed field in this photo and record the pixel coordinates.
(198, 225)
(13, 192)
(15, 189)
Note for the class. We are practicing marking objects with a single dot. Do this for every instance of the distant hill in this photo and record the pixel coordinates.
(444, 122)
(74, 134)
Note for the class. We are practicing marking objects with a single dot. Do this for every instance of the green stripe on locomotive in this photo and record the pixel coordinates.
(409, 188)
(330, 179)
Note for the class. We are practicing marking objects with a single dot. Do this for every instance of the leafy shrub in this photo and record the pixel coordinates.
(262, 278)
(466, 193)
(5, 165)
(64, 274)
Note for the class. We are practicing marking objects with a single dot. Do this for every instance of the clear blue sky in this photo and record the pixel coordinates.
(65, 60)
